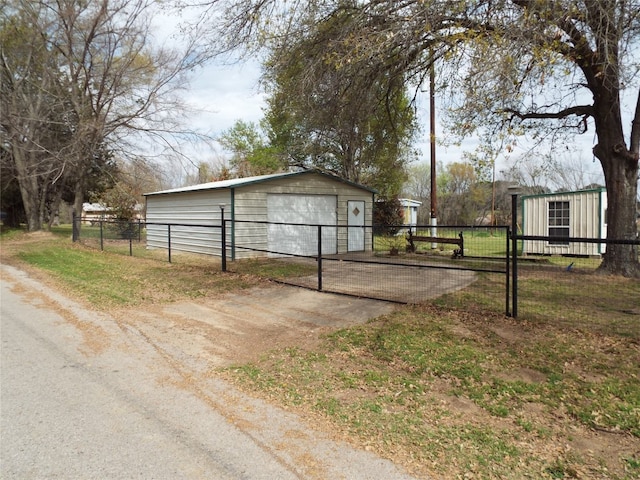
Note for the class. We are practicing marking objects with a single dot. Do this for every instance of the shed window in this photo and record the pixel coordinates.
(558, 222)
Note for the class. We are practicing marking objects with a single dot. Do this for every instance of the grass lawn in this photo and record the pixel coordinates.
(451, 389)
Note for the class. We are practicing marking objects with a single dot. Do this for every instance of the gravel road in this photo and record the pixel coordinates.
(85, 396)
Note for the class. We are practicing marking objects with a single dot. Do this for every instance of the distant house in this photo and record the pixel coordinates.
(93, 212)
(410, 211)
(581, 214)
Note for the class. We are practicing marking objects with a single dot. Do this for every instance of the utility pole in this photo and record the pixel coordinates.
(432, 139)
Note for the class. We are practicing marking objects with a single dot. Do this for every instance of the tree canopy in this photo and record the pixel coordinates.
(320, 114)
(251, 152)
(512, 67)
(81, 82)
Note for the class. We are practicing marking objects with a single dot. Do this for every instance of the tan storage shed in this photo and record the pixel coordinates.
(271, 213)
(579, 214)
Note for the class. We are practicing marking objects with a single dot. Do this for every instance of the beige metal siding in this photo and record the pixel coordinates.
(585, 216)
(244, 202)
(251, 203)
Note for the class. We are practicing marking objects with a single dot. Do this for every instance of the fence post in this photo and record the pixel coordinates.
(75, 234)
(169, 240)
(101, 236)
(507, 271)
(131, 239)
(319, 258)
(223, 234)
(139, 230)
(514, 253)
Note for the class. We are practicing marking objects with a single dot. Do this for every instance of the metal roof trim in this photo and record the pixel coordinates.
(241, 182)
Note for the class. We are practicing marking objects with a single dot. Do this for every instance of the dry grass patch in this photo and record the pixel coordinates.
(463, 395)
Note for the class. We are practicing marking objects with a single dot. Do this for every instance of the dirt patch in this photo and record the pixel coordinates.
(239, 328)
(522, 374)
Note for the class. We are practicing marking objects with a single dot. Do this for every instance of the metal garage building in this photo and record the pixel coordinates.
(580, 214)
(271, 213)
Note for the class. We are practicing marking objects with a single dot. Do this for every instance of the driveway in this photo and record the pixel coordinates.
(136, 393)
(395, 279)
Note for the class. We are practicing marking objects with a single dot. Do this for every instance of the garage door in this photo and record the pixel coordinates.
(301, 214)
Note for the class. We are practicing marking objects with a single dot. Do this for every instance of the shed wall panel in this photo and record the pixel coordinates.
(251, 202)
(586, 220)
(190, 208)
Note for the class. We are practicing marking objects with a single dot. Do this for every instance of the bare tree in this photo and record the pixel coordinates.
(570, 172)
(532, 174)
(30, 98)
(80, 79)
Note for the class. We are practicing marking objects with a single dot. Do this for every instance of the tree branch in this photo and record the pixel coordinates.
(579, 111)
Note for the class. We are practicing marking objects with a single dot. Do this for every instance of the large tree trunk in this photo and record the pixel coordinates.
(620, 167)
(621, 177)
(29, 191)
(78, 199)
(54, 214)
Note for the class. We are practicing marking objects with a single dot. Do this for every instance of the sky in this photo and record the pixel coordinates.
(225, 93)
(228, 93)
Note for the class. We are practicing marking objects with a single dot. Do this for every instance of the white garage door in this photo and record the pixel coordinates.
(301, 213)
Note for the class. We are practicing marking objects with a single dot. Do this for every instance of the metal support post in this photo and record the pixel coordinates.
(319, 257)
(223, 234)
(169, 241)
(514, 253)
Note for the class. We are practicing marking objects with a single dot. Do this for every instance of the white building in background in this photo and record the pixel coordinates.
(92, 212)
(410, 211)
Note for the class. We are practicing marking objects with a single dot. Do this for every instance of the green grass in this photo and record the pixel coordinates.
(108, 279)
(95, 276)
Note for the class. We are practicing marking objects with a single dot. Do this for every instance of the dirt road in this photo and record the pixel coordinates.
(136, 394)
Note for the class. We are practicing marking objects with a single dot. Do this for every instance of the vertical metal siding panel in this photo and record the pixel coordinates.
(202, 208)
(576, 222)
(584, 225)
(589, 230)
(542, 223)
(536, 221)
(588, 223)
(527, 246)
(251, 205)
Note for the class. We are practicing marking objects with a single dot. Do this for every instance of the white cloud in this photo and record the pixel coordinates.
(225, 94)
